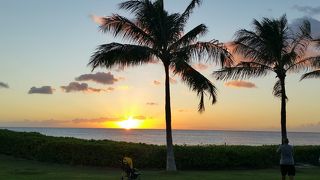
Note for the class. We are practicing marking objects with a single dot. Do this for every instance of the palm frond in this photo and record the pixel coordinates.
(243, 70)
(251, 53)
(172, 31)
(317, 42)
(305, 29)
(196, 82)
(316, 62)
(185, 15)
(212, 50)
(313, 74)
(252, 46)
(266, 43)
(181, 19)
(190, 37)
(134, 6)
(120, 25)
(301, 40)
(116, 54)
(149, 17)
(277, 90)
(304, 64)
(289, 59)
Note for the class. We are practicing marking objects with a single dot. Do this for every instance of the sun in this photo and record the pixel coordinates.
(130, 123)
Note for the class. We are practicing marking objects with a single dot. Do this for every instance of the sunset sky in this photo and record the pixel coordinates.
(45, 81)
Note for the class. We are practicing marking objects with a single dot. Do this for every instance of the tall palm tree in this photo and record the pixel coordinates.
(154, 34)
(271, 47)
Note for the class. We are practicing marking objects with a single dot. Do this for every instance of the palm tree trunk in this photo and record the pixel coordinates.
(283, 109)
(171, 164)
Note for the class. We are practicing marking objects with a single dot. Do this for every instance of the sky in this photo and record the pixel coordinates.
(45, 81)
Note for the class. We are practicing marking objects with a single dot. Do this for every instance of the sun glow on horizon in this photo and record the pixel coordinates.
(130, 123)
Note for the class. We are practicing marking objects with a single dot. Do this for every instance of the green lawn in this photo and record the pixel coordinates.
(13, 168)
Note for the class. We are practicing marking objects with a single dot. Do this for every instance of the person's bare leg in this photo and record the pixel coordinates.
(291, 177)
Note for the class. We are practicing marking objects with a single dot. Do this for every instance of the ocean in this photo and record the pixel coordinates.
(180, 137)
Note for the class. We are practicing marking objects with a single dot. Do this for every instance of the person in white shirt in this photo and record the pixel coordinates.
(286, 161)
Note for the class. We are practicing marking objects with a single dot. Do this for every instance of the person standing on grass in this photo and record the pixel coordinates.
(286, 161)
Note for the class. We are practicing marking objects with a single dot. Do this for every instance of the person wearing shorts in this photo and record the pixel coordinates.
(286, 161)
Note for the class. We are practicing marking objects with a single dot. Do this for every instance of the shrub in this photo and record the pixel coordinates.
(108, 153)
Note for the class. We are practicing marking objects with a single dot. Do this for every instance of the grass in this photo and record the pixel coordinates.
(20, 169)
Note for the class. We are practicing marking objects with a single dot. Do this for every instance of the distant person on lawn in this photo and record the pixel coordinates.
(286, 161)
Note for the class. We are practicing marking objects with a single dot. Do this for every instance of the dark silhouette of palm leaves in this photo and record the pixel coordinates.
(313, 74)
(154, 34)
(315, 64)
(271, 47)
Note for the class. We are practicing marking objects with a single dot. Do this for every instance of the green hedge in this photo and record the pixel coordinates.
(108, 153)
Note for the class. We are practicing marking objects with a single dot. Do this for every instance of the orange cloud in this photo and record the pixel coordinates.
(240, 84)
(183, 110)
(151, 103)
(96, 120)
(155, 82)
(139, 117)
(97, 19)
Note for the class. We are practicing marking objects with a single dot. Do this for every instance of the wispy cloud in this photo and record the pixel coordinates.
(183, 110)
(99, 77)
(4, 85)
(109, 89)
(310, 127)
(98, 19)
(240, 84)
(309, 10)
(140, 117)
(155, 82)
(96, 120)
(34, 123)
(151, 103)
(41, 90)
(77, 122)
(83, 87)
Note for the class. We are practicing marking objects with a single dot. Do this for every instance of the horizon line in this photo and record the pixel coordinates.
(230, 130)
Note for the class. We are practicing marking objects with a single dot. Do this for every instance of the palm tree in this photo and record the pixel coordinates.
(154, 34)
(271, 47)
